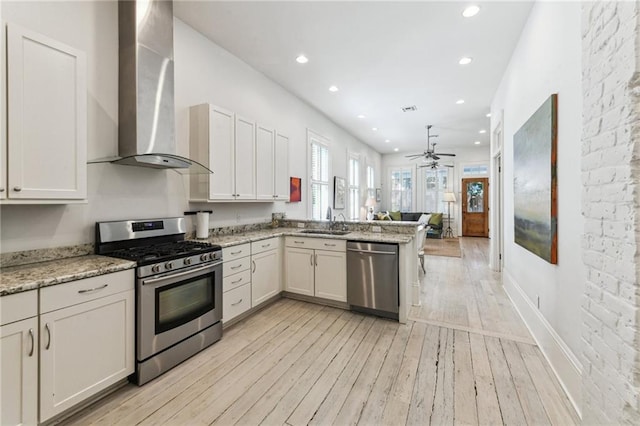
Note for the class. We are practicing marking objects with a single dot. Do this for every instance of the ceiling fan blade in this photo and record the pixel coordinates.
(448, 165)
(435, 157)
(414, 155)
(446, 155)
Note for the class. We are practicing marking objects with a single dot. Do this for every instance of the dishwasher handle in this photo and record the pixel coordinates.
(391, 253)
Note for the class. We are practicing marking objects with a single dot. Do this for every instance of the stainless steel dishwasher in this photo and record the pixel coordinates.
(372, 278)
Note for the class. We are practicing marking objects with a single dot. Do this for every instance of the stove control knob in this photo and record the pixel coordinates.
(155, 268)
(168, 265)
(205, 257)
(187, 261)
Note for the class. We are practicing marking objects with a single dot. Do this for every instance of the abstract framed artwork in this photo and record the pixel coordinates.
(339, 192)
(378, 195)
(295, 190)
(535, 182)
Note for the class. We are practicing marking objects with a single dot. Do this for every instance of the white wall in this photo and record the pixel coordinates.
(213, 75)
(547, 60)
(464, 156)
(204, 73)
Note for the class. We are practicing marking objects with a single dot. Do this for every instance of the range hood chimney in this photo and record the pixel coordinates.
(146, 134)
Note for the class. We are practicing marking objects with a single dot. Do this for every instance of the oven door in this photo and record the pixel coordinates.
(177, 305)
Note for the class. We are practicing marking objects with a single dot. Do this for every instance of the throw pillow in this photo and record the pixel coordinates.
(424, 218)
(436, 219)
(383, 216)
(395, 215)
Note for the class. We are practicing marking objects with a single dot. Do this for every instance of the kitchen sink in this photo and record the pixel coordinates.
(324, 232)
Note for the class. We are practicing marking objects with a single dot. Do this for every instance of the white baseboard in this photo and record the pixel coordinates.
(563, 361)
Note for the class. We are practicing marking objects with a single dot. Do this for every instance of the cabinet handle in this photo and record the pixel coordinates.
(266, 245)
(236, 267)
(237, 303)
(48, 330)
(1, 189)
(298, 242)
(33, 342)
(316, 256)
(311, 259)
(89, 290)
(329, 245)
(17, 188)
(236, 281)
(233, 253)
(254, 265)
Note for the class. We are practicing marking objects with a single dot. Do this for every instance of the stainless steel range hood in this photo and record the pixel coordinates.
(146, 134)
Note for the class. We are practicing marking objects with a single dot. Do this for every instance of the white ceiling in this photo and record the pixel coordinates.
(381, 55)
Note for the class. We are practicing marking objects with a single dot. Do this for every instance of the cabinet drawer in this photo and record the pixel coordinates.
(236, 280)
(19, 306)
(74, 292)
(235, 302)
(265, 245)
(235, 266)
(236, 252)
(330, 244)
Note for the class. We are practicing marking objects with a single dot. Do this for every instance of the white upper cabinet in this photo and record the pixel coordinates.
(47, 119)
(245, 159)
(265, 144)
(249, 162)
(281, 167)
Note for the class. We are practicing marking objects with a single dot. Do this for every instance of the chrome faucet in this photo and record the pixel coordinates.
(344, 220)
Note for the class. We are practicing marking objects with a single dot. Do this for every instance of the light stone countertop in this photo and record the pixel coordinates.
(15, 279)
(248, 237)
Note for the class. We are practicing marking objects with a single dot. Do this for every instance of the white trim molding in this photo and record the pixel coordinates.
(563, 361)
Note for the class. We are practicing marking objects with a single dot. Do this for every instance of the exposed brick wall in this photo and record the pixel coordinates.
(611, 202)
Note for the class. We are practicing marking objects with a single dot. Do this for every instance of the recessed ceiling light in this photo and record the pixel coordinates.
(387, 140)
(471, 11)
(396, 149)
(375, 129)
(460, 101)
(361, 116)
(333, 89)
(488, 114)
(302, 59)
(465, 61)
(483, 131)
(477, 142)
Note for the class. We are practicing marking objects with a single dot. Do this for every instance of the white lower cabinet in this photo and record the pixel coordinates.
(236, 281)
(313, 271)
(19, 372)
(265, 276)
(236, 302)
(87, 341)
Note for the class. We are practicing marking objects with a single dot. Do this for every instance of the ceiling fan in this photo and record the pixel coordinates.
(434, 165)
(430, 153)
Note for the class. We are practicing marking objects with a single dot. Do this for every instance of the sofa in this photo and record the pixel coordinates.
(434, 223)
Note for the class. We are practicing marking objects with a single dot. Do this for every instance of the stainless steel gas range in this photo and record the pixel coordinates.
(178, 290)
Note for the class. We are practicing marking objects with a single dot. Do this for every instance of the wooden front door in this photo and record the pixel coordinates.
(475, 207)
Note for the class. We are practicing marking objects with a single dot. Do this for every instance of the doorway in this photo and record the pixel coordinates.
(475, 211)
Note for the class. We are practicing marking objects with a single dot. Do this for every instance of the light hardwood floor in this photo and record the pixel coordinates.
(298, 363)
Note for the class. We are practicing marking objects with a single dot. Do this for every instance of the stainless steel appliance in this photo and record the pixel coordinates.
(178, 290)
(372, 278)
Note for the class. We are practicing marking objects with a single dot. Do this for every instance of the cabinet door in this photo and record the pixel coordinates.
(84, 349)
(47, 118)
(265, 276)
(19, 373)
(281, 168)
(331, 275)
(299, 270)
(221, 154)
(265, 141)
(245, 159)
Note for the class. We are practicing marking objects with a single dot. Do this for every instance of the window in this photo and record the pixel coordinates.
(354, 188)
(319, 180)
(371, 186)
(401, 190)
(436, 182)
(475, 169)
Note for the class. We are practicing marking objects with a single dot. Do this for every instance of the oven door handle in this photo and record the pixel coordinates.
(174, 277)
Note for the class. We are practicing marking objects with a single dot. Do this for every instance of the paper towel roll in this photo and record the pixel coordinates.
(202, 225)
